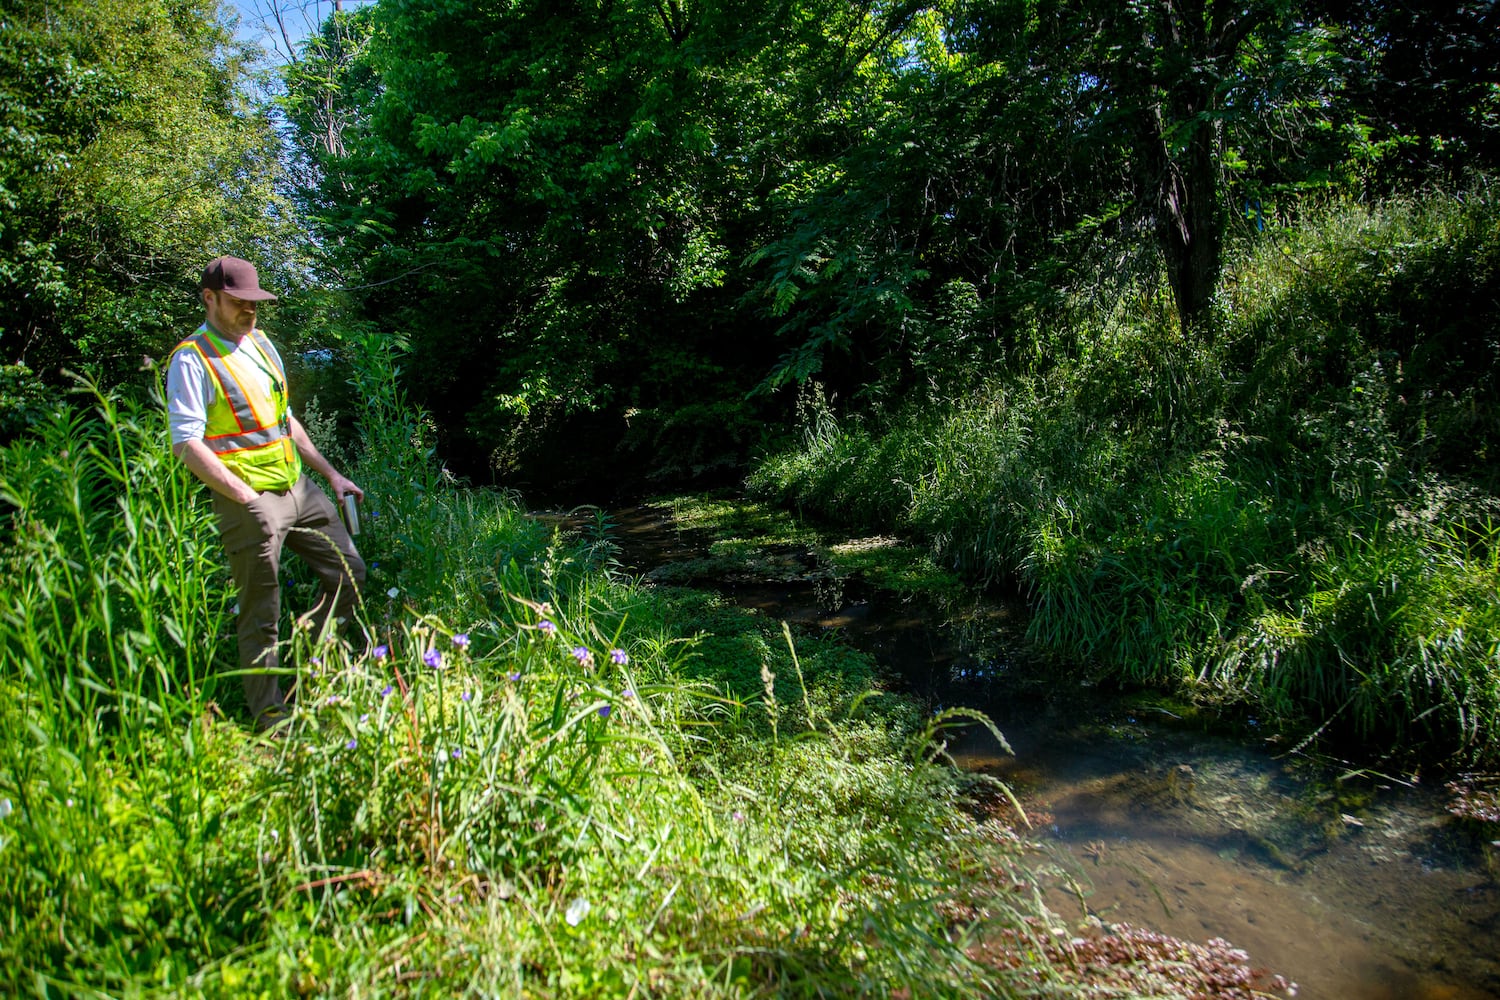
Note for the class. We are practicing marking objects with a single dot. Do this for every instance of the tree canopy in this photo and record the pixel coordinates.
(131, 155)
(632, 224)
(637, 219)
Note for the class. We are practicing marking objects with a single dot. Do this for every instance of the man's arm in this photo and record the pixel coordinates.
(311, 456)
(203, 463)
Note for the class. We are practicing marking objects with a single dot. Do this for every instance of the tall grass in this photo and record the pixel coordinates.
(522, 776)
(1299, 516)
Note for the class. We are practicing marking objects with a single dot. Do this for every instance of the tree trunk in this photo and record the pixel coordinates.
(1190, 230)
(1185, 52)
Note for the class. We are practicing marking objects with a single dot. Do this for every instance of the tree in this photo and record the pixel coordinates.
(1175, 65)
(550, 200)
(913, 243)
(1005, 142)
(602, 216)
(132, 157)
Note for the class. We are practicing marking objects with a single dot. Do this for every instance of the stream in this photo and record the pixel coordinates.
(1355, 885)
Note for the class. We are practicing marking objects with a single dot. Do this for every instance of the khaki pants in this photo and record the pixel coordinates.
(253, 536)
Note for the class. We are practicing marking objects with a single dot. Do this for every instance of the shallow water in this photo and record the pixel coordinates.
(1201, 837)
(1354, 888)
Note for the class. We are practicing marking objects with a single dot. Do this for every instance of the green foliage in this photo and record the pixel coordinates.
(110, 628)
(111, 567)
(1280, 518)
(1401, 300)
(1396, 628)
(603, 228)
(23, 400)
(524, 777)
(554, 166)
(132, 157)
(1420, 89)
(734, 650)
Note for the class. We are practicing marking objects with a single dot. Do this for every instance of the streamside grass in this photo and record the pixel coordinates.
(1298, 516)
(516, 774)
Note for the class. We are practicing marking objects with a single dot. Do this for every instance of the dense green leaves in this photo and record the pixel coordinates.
(614, 222)
(1423, 88)
(548, 201)
(130, 157)
(1293, 515)
(592, 218)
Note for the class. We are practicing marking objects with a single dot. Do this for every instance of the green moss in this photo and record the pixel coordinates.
(750, 539)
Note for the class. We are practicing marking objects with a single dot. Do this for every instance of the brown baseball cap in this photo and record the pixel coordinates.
(235, 276)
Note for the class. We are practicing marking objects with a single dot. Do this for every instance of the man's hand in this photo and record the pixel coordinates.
(343, 484)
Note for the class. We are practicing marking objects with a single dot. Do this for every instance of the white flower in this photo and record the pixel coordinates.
(5, 809)
(393, 592)
(577, 910)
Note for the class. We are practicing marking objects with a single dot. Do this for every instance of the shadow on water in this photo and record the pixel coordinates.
(1354, 885)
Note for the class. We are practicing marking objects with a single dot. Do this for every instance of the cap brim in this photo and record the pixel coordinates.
(250, 295)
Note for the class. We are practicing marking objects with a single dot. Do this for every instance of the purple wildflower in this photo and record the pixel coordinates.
(432, 658)
(457, 752)
(380, 652)
(546, 627)
(583, 656)
(352, 744)
(516, 676)
(385, 692)
(603, 711)
(461, 640)
(627, 693)
(468, 696)
(618, 657)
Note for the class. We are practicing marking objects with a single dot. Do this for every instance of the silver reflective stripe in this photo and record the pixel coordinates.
(268, 352)
(242, 442)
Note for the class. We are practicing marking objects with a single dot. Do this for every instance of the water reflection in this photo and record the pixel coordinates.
(1355, 888)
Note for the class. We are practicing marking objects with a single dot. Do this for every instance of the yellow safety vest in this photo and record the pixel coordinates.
(249, 427)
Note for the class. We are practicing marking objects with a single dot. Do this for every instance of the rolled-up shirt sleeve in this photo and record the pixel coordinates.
(187, 397)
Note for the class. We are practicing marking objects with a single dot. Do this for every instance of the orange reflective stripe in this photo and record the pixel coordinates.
(239, 399)
(237, 402)
(246, 427)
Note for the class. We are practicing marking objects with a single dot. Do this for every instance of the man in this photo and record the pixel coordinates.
(231, 425)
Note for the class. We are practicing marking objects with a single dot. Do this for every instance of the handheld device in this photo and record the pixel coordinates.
(351, 514)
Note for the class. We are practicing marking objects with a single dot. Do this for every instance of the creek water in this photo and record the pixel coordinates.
(1355, 885)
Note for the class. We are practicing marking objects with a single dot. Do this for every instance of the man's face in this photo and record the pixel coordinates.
(230, 316)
